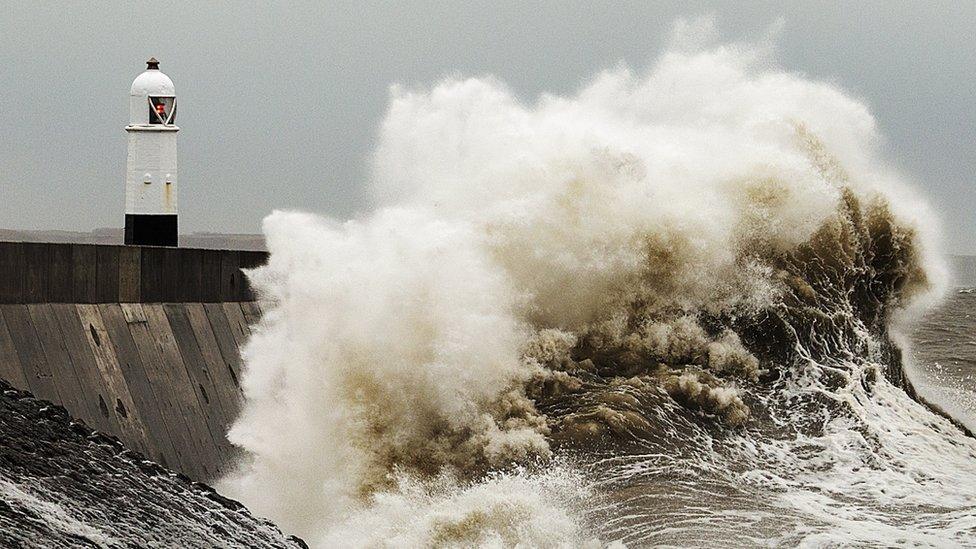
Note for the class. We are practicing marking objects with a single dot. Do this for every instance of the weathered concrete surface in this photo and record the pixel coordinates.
(139, 342)
(161, 377)
(33, 272)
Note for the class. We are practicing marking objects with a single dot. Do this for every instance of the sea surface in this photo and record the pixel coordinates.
(943, 356)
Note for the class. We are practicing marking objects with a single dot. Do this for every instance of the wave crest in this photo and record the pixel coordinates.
(646, 261)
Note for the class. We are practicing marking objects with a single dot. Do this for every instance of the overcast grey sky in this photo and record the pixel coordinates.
(280, 102)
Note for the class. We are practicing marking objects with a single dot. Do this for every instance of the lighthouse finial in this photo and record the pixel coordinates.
(152, 64)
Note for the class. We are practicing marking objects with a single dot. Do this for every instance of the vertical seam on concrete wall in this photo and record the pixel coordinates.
(85, 368)
(166, 390)
(222, 391)
(225, 341)
(193, 363)
(167, 343)
(31, 354)
(152, 367)
(10, 367)
(56, 354)
(132, 428)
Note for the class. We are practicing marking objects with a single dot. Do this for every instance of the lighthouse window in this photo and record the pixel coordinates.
(162, 110)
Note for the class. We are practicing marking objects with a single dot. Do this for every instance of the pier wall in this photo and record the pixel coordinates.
(88, 273)
(142, 343)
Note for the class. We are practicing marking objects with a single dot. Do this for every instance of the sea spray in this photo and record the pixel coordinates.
(389, 344)
(670, 277)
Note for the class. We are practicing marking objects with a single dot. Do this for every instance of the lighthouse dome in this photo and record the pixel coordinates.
(152, 98)
(152, 82)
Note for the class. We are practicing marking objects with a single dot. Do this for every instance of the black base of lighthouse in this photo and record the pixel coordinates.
(150, 230)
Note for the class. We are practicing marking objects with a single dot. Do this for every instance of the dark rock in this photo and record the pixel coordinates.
(64, 485)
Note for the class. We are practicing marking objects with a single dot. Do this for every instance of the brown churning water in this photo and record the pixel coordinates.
(660, 311)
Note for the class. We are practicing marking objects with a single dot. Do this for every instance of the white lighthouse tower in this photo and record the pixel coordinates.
(150, 170)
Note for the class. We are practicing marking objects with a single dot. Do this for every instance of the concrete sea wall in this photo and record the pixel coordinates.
(87, 273)
(142, 343)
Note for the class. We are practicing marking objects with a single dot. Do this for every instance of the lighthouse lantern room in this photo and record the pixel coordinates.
(150, 173)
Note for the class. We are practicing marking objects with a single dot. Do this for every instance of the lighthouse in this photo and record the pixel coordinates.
(150, 167)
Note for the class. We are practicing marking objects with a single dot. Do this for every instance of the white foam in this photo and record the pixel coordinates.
(392, 342)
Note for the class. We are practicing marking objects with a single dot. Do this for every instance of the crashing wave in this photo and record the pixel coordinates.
(684, 274)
